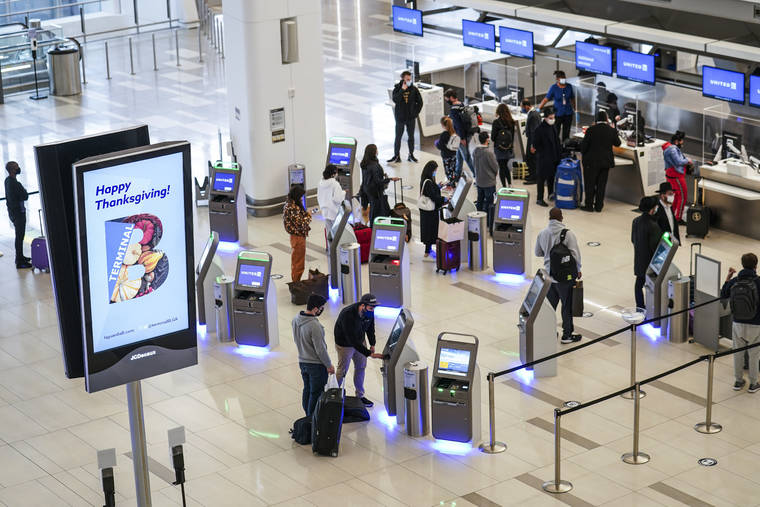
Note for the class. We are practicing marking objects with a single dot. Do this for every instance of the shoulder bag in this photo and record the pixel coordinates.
(425, 203)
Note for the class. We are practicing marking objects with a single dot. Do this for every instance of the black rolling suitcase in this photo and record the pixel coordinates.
(400, 210)
(327, 423)
(447, 255)
(697, 216)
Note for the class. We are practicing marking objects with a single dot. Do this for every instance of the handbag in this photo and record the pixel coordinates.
(578, 299)
(425, 203)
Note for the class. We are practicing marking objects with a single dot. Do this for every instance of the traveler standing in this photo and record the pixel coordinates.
(463, 126)
(15, 196)
(313, 358)
(645, 235)
(429, 217)
(503, 132)
(546, 147)
(354, 321)
(532, 121)
(329, 195)
(448, 144)
(598, 159)
(676, 167)
(374, 182)
(296, 220)
(665, 217)
(407, 104)
(486, 169)
(563, 95)
(744, 297)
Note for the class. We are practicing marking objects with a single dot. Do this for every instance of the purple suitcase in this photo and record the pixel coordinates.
(39, 250)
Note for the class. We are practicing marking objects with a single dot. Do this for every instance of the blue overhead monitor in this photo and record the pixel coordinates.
(635, 66)
(479, 35)
(516, 42)
(593, 58)
(407, 20)
(723, 84)
(754, 91)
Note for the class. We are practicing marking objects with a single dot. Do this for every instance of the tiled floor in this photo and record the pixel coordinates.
(237, 408)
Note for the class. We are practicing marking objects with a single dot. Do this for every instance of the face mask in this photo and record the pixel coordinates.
(670, 198)
(550, 121)
(408, 82)
(319, 312)
(562, 81)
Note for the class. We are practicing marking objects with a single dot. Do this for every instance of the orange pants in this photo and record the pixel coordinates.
(297, 256)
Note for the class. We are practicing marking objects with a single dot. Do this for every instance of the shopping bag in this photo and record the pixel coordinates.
(332, 382)
(578, 299)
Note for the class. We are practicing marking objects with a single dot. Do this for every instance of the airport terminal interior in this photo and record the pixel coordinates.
(238, 404)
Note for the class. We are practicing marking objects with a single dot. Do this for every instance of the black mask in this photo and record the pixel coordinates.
(319, 311)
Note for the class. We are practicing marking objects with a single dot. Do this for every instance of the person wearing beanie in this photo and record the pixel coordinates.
(645, 235)
(313, 358)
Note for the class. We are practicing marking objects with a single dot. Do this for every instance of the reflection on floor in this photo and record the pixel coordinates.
(238, 404)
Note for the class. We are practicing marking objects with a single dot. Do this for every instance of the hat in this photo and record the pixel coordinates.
(665, 186)
(315, 301)
(368, 299)
(647, 203)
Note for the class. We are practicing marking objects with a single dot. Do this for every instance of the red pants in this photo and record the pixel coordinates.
(678, 182)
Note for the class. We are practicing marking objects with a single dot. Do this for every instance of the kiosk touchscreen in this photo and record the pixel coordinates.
(254, 306)
(389, 263)
(226, 203)
(397, 352)
(341, 151)
(537, 323)
(297, 176)
(510, 235)
(209, 267)
(660, 270)
(340, 233)
(459, 204)
(455, 389)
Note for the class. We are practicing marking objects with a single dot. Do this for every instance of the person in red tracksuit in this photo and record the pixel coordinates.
(676, 167)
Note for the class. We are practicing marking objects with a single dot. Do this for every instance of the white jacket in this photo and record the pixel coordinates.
(329, 196)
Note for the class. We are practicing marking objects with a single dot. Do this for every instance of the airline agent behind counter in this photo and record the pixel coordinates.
(563, 95)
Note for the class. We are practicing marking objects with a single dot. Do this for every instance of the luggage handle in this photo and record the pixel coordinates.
(691, 256)
(395, 192)
(39, 214)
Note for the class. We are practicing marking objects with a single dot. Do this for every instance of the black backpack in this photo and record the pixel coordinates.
(562, 264)
(744, 298)
(301, 431)
(469, 118)
(503, 139)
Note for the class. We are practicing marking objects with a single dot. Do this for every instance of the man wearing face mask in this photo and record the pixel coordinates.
(676, 167)
(546, 147)
(563, 95)
(463, 127)
(532, 121)
(15, 196)
(354, 321)
(407, 102)
(665, 217)
(313, 358)
(645, 235)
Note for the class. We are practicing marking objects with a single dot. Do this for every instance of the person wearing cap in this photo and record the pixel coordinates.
(354, 322)
(645, 234)
(665, 217)
(313, 358)
(598, 159)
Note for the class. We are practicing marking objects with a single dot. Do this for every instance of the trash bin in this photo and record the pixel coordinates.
(477, 227)
(416, 398)
(63, 70)
(349, 257)
(224, 287)
(678, 299)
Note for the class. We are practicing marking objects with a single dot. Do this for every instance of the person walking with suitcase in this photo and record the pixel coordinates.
(354, 322)
(430, 203)
(676, 167)
(598, 159)
(562, 259)
(313, 359)
(546, 147)
(15, 197)
(407, 104)
(503, 130)
(645, 235)
(743, 293)
(486, 169)
(296, 221)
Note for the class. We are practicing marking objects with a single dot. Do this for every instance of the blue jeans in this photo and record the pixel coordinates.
(463, 154)
(314, 380)
(485, 203)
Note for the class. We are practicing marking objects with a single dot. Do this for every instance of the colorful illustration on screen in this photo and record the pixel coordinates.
(135, 266)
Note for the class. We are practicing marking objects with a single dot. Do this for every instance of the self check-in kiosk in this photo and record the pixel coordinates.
(660, 270)
(389, 263)
(510, 231)
(297, 177)
(459, 205)
(254, 305)
(227, 207)
(341, 151)
(455, 389)
(397, 352)
(538, 326)
(340, 233)
(209, 267)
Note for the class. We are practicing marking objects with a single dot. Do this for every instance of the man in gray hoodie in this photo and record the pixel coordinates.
(561, 290)
(313, 358)
(486, 170)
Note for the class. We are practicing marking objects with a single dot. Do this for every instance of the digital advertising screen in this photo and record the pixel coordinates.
(224, 182)
(593, 58)
(516, 42)
(510, 209)
(754, 91)
(635, 66)
(251, 275)
(723, 84)
(136, 263)
(454, 362)
(407, 20)
(479, 35)
(387, 240)
(340, 156)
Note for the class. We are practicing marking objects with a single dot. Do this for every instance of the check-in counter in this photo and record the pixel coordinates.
(734, 200)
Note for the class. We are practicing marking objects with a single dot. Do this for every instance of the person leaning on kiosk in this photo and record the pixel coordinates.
(645, 235)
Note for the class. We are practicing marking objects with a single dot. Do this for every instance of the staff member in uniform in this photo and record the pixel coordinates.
(407, 102)
(665, 217)
(15, 196)
(546, 147)
(598, 159)
(645, 234)
(563, 95)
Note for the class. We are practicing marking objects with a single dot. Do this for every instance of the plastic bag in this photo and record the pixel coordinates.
(332, 382)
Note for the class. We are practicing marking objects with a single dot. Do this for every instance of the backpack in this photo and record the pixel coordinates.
(744, 298)
(470, 120)
(503, 139)
(454, 142)
(301, 431)
(562, 264)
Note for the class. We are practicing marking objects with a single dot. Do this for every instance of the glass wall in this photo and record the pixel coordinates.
(16, 11)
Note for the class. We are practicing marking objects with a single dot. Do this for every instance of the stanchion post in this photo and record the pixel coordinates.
(200, 46)
(636, 457)
(628, 395)
(108, 63)
(557, 485)
(84, 65)
(492, 447)
(131, 59)
(153, 41)
(176, 45)
(708, 426)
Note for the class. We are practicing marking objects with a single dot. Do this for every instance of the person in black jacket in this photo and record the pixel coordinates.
(374, 182)
(532, 120)
(665, 217)
(503, 136)
(407, 104)
(645, 235)
(15, 196)
(429, 218)
(354, 321)
(546, 146)
(448, 157)
(598, 159)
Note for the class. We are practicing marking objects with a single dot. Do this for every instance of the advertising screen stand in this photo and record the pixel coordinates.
(139, 447)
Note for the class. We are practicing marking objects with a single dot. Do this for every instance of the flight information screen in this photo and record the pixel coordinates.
(479, 35)
(593, 58)
(407, 20)
(723, 84)
(454, 362)
(635, 66)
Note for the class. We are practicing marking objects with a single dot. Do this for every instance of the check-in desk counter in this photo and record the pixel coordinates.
(733, 195)
(488, 113)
